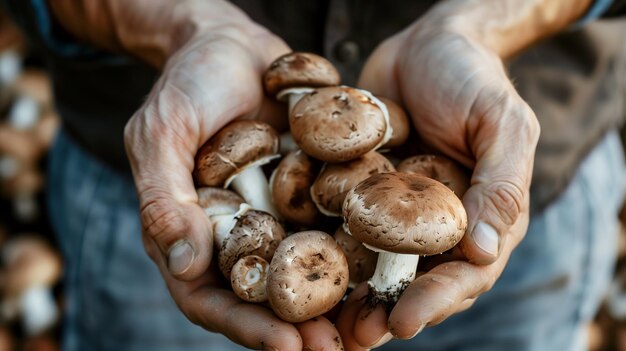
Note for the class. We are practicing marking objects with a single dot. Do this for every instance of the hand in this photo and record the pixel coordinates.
(212, 79)
(463, 104)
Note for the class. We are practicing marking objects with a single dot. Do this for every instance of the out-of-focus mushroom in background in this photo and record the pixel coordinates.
(31, 269)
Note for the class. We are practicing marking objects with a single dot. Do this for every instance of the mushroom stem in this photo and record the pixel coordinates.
(294, 98)
(252, 185)
(393, 274)
(224, 223)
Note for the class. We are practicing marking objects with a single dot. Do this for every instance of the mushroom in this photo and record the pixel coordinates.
(336, 179)
(234, 156)
(402, 216)
(294, 74)
(399, 122)
(252, 232)
(338, 124)
(289, 185)
(361, 260)
(221, 206)
(249, 278)
(308, 276)
(32, 268)
(439, 168)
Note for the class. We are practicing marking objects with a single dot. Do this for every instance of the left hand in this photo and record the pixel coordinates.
(463, 104)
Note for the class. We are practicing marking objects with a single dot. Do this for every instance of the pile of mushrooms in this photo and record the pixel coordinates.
(335, 174)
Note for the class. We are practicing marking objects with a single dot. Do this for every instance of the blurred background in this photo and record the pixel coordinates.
(30, 264)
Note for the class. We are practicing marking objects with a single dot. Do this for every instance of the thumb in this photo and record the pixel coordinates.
(504, 138)
(177, 234)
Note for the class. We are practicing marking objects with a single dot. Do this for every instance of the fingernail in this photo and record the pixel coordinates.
(383, 340)
(486, 238)
(419, 330)
(269, 348)
(181, 257)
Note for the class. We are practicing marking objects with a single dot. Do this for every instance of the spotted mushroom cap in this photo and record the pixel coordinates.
(290, 184)
(405, 213)
(218, 201)
(336, 179)
(308, 276)
(439, 168)
(338, 124)
(299, 69)
(235, 147)
(254, 233)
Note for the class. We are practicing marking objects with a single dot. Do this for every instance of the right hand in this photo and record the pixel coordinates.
(212, 79)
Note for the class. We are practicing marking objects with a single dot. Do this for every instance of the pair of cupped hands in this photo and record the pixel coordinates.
(462, 104)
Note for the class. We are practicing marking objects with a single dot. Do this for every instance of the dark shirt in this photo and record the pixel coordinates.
(573, 82)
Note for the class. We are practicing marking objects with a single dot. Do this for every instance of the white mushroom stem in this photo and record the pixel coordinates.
(293, 95)
(393, 273)
(224, 223)
(252, 185)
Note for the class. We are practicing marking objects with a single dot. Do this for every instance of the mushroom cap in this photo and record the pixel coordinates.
(361, 260)
(249, 277)
(299, 69)
(336, 179)
(405, 213)
(235, 147)
(338, 124)
(308, 276)
(439, 168)
(290, 184)
(30, 261)
(254, 233)
(218, 201)
(399, 123)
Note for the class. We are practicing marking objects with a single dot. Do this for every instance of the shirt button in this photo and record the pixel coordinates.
(347, 51)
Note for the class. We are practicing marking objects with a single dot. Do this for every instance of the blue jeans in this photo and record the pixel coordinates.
(116, 299)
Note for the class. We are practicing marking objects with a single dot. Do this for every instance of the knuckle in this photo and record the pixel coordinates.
(160, 221)
(506, 199)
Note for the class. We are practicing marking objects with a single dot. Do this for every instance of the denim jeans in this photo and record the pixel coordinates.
(116, 299)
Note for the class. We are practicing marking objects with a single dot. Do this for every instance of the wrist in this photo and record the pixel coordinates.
(505, 27)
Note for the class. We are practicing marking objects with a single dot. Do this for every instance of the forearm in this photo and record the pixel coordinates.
(506, 26)
(150, 30)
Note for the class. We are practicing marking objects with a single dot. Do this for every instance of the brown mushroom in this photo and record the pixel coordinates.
(221, 206)
(308, 276)
(402, 216)
(32, 268)
(294, 74)
(338, 124)
(336, 179)
(289, 185)
(235, 154)
(248, 278)
(361, 260)
(253, 232)
(439, 168)
(399, 122)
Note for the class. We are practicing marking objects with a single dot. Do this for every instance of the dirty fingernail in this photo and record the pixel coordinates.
(486, 238)
(180, 257)
(419, 330)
